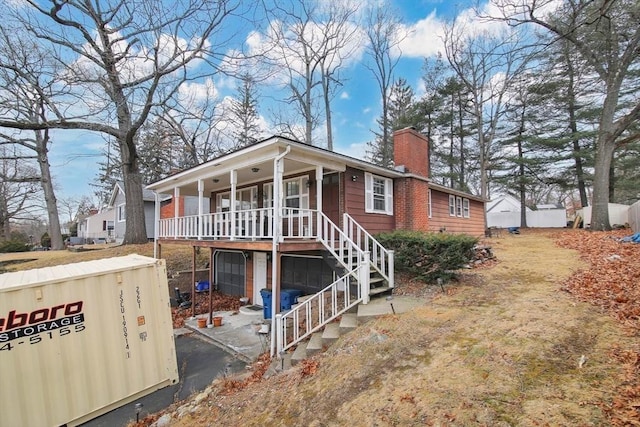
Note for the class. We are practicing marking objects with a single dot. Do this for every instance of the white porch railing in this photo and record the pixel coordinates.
(381, 258)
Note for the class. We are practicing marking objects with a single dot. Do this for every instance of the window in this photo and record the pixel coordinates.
(122, 214)
(459, 206)
(452, 205)
(295, 193)
(246, 198)
(378, 194)
(466, 212)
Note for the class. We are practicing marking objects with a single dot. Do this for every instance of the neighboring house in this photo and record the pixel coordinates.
(118, 202)
(504, 212)
(98, 225)
(288, 215)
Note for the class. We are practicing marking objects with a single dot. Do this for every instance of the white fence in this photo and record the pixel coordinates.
(634, 217)
(552, 218)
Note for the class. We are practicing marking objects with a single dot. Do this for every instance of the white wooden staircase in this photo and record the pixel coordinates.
(364, 268)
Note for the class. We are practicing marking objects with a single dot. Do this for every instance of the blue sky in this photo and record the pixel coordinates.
(74, 155)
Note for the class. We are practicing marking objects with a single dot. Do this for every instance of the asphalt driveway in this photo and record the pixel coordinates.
(199, 363)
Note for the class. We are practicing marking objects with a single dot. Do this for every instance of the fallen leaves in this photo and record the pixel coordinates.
(612, 283)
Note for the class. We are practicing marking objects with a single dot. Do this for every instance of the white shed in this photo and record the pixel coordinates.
(618, 214)
(504, 212)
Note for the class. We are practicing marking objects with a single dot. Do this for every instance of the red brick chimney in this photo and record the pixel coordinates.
(411, 201)
(411, 150)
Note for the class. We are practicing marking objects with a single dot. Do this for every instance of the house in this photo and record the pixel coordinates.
(118, 202)
(290, 216)
(504, 212)
(99, 225)
(109, 223)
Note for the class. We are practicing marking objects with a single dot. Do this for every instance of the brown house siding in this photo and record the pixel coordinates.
(354, 204)
(441, 220)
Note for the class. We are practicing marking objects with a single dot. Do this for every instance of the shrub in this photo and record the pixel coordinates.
(14, 246)
(429, 256)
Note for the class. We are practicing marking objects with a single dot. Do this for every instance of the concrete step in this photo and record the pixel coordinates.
(315, 345)
(379, 290)
(299, 354)
(331, 333)
(278, 365)
(348, 322)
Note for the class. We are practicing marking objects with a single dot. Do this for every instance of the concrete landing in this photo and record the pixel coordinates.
(238, 333)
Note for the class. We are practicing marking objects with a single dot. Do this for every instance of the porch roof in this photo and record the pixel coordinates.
(254, 163)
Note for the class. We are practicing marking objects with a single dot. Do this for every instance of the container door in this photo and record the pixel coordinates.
(259, 276)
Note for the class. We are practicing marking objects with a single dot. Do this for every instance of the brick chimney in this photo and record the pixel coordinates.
(411, 201)
(411, 150)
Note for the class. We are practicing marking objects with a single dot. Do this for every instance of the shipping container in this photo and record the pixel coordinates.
(79, 340)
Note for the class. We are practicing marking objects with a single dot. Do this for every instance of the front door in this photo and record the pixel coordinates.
(259, 276)
(331, 197)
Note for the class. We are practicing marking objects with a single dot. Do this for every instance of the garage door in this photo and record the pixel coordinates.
(307, 274)
(230, 273)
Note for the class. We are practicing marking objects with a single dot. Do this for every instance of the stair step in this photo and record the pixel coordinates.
(299, 354)
(314, 345)
(376, 279)
(331, 333)
(379, 290)
(348, 322)
(278, 365)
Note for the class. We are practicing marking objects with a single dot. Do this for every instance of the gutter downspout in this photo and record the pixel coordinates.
(156, 222)
(275, 281)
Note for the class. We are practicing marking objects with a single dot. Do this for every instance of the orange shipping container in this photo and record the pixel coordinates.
(79, 340)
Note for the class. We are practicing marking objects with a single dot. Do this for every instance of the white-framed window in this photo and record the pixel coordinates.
(452, 205)
(429, 203)
(295, 193)
(459, 206)
(246, 198)
(466, 211)
(122, 213)
(378, 194)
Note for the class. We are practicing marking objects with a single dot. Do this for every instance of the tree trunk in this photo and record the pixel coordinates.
(600, 208)
(135, 230)
(327, 110)
(49, 194)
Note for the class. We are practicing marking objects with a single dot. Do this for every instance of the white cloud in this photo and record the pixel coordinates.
(424, 38)
(345, 95)
(356, 150)
(367, 110)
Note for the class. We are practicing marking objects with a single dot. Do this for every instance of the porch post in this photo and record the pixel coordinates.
(319, 176)
(156, 223)
(200, 193)
(211, 254)
(193, 283)
(278, 172)
(176, 211)
(233, 177)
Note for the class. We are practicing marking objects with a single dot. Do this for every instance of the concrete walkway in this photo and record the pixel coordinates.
(239, 334)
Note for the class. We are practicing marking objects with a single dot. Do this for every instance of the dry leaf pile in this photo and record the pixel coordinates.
(613, 283)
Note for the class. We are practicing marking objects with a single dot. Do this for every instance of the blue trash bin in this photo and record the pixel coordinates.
(202, 286)
(266, 302)
(288, 297)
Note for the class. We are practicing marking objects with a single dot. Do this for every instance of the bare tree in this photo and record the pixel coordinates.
(606, 34)
(341, 39)
(27, 73)
(383, 34)
(486, 64)
(121, 61)
(18, 189)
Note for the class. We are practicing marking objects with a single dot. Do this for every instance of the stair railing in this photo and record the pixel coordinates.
(381, 258)
(321, 308)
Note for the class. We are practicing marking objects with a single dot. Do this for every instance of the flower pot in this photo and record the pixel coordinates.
(202, 322)
(217, 321)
